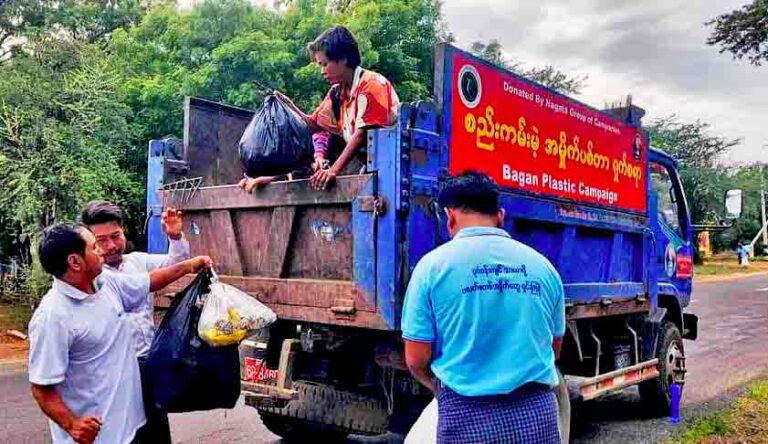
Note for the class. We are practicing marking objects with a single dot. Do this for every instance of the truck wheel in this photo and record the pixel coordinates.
(563, 409)
(655, 393)
(323, 411)
(297, 430)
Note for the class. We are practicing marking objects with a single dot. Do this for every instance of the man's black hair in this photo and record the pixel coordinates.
(338, 44)
(470, 191)
(101, 212)
(57, 242)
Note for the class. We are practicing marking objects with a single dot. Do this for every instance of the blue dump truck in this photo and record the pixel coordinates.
(581, 186)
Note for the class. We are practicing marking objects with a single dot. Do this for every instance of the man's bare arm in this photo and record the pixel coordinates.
(418, 357)
(162, 277)
(557, 345)
(358, 139)
(82, 430)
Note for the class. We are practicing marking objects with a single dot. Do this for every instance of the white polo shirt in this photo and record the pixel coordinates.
(142, 317)
(81, 343)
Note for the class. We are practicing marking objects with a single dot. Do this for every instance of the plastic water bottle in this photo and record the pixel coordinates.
(675, 392)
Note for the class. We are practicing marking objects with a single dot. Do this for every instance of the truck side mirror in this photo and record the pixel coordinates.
(733, 204)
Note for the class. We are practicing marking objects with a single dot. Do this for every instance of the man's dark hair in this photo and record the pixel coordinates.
(57, 242)
(470, 191)
(338, 44)
(101, 212)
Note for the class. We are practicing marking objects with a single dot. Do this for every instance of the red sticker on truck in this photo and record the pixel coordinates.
(257, 371)
(684, 266)
(529, 138)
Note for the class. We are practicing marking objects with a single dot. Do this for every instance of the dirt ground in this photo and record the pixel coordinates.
(11, 348)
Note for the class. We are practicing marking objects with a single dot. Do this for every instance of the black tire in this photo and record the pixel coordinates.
(323, 411)
(655, 393)
(300, 431)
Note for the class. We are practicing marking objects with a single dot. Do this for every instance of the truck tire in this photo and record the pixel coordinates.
(322, 411)
(655, 393)
(298, 430)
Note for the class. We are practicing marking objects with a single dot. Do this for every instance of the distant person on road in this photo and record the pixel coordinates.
(105, 220)
(743, 253)
(82, 365)
(483, 322)
(357, 101)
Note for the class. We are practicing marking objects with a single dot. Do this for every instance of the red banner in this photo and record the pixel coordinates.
(529, 138)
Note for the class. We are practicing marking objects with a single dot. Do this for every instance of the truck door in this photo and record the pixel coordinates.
(671, 232)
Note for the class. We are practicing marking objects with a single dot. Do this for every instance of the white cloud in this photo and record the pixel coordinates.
(654, 50)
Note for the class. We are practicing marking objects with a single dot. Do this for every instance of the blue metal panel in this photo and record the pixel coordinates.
(593, 292)
(364, 250)
(600, 253)
(157, 242)
(385, 161)
(425, 227)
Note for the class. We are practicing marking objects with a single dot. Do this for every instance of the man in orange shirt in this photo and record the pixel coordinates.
(357, 101)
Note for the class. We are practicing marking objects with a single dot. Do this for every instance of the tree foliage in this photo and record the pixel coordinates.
(64, 136)
(743, 32)
(82, 20)
(706, 179)
(224, 50)
(690, 143)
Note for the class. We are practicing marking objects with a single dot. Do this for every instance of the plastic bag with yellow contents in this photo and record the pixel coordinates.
(230, 315)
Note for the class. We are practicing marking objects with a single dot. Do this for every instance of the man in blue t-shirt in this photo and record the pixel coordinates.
(483, 322)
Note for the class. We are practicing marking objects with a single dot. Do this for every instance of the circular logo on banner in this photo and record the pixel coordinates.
(670, 260)
(470, 87)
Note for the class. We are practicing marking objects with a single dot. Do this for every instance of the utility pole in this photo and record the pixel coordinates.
(762, 207)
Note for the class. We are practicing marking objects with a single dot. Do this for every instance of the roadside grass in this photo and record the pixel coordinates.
(14, 317)
(745, 421)
(725, 264)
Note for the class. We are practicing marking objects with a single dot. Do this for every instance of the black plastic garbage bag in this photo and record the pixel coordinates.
(186, 373)
(276, 141)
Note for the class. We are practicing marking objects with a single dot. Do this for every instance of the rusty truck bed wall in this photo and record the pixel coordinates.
(309, 255)
(291, 247)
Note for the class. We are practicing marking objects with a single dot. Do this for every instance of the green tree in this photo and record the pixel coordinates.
(25, 21)
(64, 136)
(690, 143)
(221, 50)
(743, 32)
(17, 17)
(699, 154)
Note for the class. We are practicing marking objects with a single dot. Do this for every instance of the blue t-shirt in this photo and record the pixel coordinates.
(491, 307)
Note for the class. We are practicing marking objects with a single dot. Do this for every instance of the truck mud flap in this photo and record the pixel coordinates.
(691, 325)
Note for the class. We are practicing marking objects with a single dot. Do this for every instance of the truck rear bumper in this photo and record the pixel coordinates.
(262, 395)
(585, 389)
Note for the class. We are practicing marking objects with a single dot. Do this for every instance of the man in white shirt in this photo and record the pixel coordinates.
(82, 368)
(105, 220)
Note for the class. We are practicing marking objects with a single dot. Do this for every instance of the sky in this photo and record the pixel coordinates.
(654, 50)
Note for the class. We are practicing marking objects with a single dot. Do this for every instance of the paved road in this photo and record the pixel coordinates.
(731, 350)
